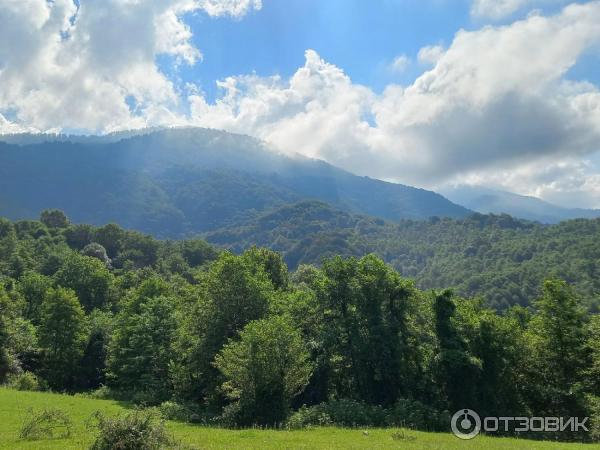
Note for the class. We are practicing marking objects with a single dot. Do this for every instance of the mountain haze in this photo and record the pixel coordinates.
(486, 201)
(177, 182)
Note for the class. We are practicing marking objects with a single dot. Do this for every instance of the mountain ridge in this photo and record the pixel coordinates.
(177, 182)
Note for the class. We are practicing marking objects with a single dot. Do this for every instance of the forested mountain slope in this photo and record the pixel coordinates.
(495, 256)
(490, 201)
(178, 182)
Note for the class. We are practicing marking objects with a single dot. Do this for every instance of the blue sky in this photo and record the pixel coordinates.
(432, 93)
(361, 36)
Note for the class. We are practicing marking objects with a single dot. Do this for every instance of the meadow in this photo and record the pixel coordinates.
(15, 406)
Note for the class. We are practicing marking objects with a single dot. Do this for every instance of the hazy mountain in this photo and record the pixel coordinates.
(177, 182)
(487, 201)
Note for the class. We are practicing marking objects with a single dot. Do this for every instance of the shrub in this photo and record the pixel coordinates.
(175, 411)
(102, 393)
(51, 423)
(414, 414)
(345, 413)
(24, 381)
(351, 413)
(137, 430)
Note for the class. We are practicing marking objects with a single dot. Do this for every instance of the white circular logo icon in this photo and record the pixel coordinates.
(466, 424)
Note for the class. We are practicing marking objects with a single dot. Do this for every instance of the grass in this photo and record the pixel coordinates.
(16, 405)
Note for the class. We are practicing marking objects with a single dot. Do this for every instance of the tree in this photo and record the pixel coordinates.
(62, 337)
(267, 367)
(54, 218)
(89, 278)
(364, 304)
(33, 287)
(95, 250)
(272, 263)
(141, 351)
(558, 352)
(4, 336)
(456, 370)
(232, 294)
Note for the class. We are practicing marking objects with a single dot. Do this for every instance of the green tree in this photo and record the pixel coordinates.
(456, 370)
(33, 287)
(364, 304)
(62, 337)
(233, 293)
(5, 360)
(264, 370)
(89, 278)
(272, 263)
(558, 352)
(141, 348)
(54, 218)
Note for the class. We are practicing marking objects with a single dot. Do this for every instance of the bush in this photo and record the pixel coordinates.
(344, 413)
(416, 415)
(138, 430)
(351, 413)
(102, 393)
(24, 381)
(51, 423)
(175, 411)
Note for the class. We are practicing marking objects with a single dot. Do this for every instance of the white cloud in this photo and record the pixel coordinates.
(498, 9)
(400, 63)
(430, 54)
(77, 68)
(495, 100)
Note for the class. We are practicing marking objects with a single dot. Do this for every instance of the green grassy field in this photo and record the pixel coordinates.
(14, 407)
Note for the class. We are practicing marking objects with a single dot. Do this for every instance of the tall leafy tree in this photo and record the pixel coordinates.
(54, 218)
(62, 337)
(233, 293)
(264, 370)
(457, 371)
(89, 278)
(557, 346)
(141, 349)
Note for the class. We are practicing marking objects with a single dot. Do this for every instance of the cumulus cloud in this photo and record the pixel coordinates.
(430, 54)
(498, 9)
(83, 67)
(495, 100)
(400, 63)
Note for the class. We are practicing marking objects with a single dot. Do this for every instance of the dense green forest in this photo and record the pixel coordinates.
(498, 257)
(238, 340)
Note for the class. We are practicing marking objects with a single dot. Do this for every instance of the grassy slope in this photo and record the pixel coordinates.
(14, 406)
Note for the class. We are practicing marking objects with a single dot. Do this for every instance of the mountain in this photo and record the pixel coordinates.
(487, 201)
(178, 182)
(498, 257)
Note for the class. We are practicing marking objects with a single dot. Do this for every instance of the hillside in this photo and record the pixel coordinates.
(15, 406)
(490, 201)
(496, 256)
(177, 182)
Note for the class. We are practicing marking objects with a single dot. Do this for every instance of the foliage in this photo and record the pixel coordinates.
(62, 334)
(141, 348)
(350, 413)
(264, 371)
(218, 338)
(137, 430)
(25, 381)
(49, 423)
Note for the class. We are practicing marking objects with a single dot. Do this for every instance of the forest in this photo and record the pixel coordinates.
(239, 340)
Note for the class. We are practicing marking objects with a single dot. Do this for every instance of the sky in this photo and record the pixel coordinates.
(431, 93)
